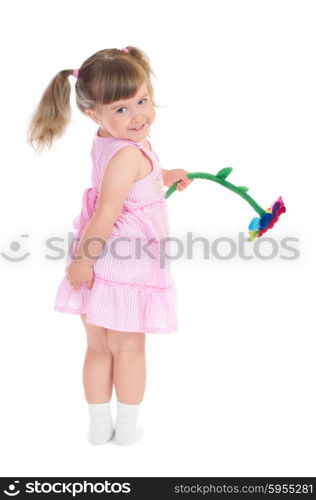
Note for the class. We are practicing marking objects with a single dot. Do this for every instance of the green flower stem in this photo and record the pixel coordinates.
(223, 182)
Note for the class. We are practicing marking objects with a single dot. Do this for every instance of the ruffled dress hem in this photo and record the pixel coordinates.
(115, 326)
(145, 306)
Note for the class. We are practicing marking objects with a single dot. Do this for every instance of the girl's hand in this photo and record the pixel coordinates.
(78, 274)
(177, 174)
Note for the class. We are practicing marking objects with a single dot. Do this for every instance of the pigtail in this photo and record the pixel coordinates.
(52, 114)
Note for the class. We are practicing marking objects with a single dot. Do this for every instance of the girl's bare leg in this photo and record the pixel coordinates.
(129, 371)
(129, 377)
(98, 365)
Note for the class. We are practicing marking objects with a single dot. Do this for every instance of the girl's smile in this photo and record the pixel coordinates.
(138, 129)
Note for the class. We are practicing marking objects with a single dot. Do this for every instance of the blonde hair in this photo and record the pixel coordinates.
(108, 75)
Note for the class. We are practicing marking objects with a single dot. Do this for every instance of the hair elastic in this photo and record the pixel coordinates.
(125, 49)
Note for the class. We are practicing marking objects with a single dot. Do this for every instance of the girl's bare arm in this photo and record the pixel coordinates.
(120, 173)
(164, 175)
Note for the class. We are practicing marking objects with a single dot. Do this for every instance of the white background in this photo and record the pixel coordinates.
(232, 393)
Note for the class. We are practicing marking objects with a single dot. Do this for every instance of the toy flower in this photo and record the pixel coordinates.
(260, 225)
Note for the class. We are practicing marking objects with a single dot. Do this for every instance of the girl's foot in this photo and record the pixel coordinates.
(101, 426)
(126, 429)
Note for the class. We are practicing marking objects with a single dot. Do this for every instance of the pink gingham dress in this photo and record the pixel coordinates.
(133, 290)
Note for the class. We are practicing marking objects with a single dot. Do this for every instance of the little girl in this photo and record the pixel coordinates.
(117, 277)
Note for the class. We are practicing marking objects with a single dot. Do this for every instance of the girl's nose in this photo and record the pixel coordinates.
(137, 118)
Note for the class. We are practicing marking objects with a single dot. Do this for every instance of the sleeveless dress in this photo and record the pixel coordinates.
(133, 289)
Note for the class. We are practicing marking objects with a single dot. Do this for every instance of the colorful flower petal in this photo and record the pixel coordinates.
(276, 209)
(265, 220)
(254, 224)
(252, 235)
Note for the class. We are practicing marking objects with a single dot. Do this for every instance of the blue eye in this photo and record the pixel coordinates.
(124, 107)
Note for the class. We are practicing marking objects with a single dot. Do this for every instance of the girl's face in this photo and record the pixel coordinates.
(126, 119)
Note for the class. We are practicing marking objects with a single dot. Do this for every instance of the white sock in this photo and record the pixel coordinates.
(101, 425)
(126, 429)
